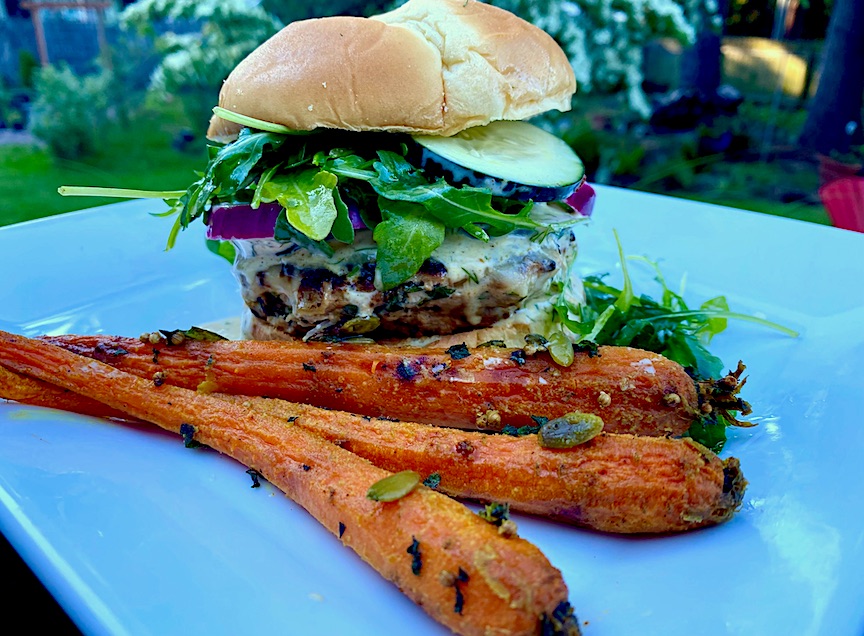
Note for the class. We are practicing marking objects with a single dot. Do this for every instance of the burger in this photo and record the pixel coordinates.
(378, 181)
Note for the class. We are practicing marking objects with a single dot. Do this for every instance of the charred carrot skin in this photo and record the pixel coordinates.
(508, 587)
(634, 391)
(614, 483)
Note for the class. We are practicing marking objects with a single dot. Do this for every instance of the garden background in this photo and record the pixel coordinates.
(748, 103)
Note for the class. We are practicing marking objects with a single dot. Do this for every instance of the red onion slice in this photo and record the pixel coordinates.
(354, 215)
(241, 221)
(582, 200)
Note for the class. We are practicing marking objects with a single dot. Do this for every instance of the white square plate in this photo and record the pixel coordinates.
(134, 534)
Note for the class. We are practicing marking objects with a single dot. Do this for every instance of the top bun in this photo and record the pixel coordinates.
(431, 67)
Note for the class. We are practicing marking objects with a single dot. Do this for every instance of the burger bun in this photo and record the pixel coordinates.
(429, 67)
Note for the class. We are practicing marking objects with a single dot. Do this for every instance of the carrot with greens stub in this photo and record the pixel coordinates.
(471, 578)
(613, 483)
(484, 387)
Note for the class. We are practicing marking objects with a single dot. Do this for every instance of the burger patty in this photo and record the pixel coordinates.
(467, 284)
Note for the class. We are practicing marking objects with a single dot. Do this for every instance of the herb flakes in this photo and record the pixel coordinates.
(177, 337)
(518, 356)
(461, 578)
(407, 370)
(562, 622)
(188, 433)
(104, 352)
(416, 557)
(465, 448)
(255, 475)
(495, 513)
(432, 481)
(520, 431)
(458, 352)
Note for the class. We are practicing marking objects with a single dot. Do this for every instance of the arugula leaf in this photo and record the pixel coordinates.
(406, 238)
(176, 206)
(625, 299)
(225, 249)
(343, 229)
(344, 163)
(716, 309)
(686, 349)
(284, 232)
(455, 207)
(307, 199)
(228, 171)
(710, 432)
(262, 181)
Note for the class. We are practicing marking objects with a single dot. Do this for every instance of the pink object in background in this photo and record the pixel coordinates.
(844, 201)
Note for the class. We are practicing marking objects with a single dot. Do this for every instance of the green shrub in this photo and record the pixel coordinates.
(69, 110)
(27, 67)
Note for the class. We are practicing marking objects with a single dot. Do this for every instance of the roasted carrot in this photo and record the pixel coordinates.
(633, 391)
(26, 390)
(614, 483)
(469, 577)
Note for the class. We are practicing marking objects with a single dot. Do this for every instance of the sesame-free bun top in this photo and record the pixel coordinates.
(430, 67)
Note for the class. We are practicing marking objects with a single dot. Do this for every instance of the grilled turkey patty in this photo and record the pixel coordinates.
(467, 284)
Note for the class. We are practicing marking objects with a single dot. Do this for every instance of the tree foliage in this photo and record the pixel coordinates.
(201, 43)
(834, 121)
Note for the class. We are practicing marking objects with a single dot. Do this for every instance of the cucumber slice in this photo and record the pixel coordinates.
(513, 151)
(437, 166)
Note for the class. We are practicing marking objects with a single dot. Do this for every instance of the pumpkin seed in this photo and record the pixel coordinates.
(570, 430)
(394, 486)
(361, 324)
(560, 348)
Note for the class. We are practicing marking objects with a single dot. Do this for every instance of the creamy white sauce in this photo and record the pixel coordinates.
(495, 265)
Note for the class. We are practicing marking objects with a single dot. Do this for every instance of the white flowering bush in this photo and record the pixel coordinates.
(604, 39)
(202, 43)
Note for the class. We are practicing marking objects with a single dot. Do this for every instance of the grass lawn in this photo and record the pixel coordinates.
(140, 156)
(798, 210)
(786, 189)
